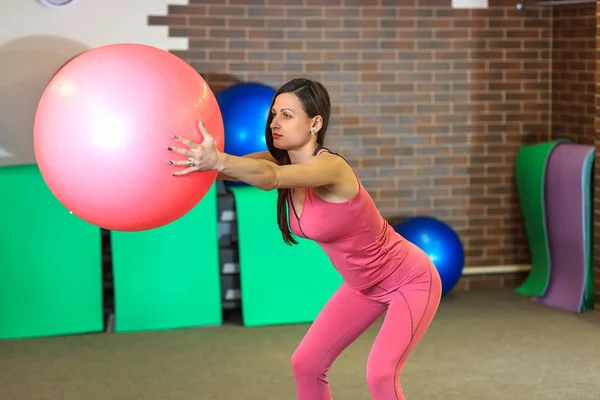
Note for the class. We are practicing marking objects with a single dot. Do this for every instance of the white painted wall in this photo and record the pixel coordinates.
(35, 41)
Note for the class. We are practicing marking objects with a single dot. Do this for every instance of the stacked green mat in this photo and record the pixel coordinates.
(50, 262)
(280, 284)
(51, 279)
(555, 187)
(168, 278)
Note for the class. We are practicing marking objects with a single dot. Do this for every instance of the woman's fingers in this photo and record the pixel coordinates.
(179, 163)
(185, 171)
(190, 152)
(187, 142)
(183, 152)
(204, 131)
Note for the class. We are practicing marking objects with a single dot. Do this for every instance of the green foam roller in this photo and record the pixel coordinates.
(50, 262)
(530, 174)
(168, 277)
(280, 284)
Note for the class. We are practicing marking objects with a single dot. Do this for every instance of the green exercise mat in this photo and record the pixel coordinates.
(50, 262)
(168, 278)
(530, 173)
(279, 283)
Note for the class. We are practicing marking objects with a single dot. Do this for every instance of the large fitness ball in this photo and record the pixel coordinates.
(245, 108)
(441, 244)
(102, 129)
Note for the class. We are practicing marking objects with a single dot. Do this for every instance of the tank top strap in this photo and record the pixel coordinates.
(321, 149)
(318, 150)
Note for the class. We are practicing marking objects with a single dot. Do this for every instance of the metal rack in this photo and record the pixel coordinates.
(521, 6)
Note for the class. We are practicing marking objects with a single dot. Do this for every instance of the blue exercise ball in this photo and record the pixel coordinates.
(440, 242)
(245, 108)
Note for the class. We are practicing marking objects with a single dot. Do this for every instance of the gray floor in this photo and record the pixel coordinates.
(482, 346)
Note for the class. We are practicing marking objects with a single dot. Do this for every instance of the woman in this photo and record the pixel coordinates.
(383, 273)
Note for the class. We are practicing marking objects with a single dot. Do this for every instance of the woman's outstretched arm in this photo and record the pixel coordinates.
(259, 155)
(324, 170)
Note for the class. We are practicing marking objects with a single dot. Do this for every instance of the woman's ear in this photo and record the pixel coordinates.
(317, 123)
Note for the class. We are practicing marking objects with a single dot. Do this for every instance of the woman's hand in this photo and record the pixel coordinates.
(201, 156)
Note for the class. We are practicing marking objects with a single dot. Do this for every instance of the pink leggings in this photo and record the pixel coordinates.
(409, 297)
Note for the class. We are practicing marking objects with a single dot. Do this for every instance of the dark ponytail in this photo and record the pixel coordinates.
(315, 100)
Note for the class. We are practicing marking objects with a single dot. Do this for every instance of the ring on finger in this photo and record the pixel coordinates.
(190, 162)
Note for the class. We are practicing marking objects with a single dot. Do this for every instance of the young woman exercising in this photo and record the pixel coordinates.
(382, 271)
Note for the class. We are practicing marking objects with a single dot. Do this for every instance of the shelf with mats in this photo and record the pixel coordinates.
(228, 251)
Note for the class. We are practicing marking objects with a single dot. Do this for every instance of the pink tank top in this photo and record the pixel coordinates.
(362, 246)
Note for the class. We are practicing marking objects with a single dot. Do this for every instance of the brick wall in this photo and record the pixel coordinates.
(574, 73)
(431, 103)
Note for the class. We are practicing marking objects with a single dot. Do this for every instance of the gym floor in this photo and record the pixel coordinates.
(482, 345)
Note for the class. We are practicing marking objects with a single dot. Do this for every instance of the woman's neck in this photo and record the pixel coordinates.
(302, 154)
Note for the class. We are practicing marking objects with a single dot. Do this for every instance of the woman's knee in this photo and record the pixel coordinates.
(304, 363)
(381, 379)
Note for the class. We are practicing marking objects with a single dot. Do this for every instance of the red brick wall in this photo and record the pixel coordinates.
(431, 103)
(574, 73)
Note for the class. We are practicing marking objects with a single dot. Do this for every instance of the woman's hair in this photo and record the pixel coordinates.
(315, 101)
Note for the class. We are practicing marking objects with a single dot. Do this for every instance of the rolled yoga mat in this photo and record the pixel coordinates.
(568, 211)
(588, 180)
(530, 173)
(280, 284)
(50, 262)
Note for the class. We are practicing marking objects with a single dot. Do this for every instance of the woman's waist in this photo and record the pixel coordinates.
(414, 266)
(362, 268)
(371, 257)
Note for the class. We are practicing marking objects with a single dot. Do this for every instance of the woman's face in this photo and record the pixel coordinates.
(291, 126)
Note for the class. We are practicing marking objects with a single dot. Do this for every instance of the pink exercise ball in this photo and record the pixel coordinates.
(102, 129)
